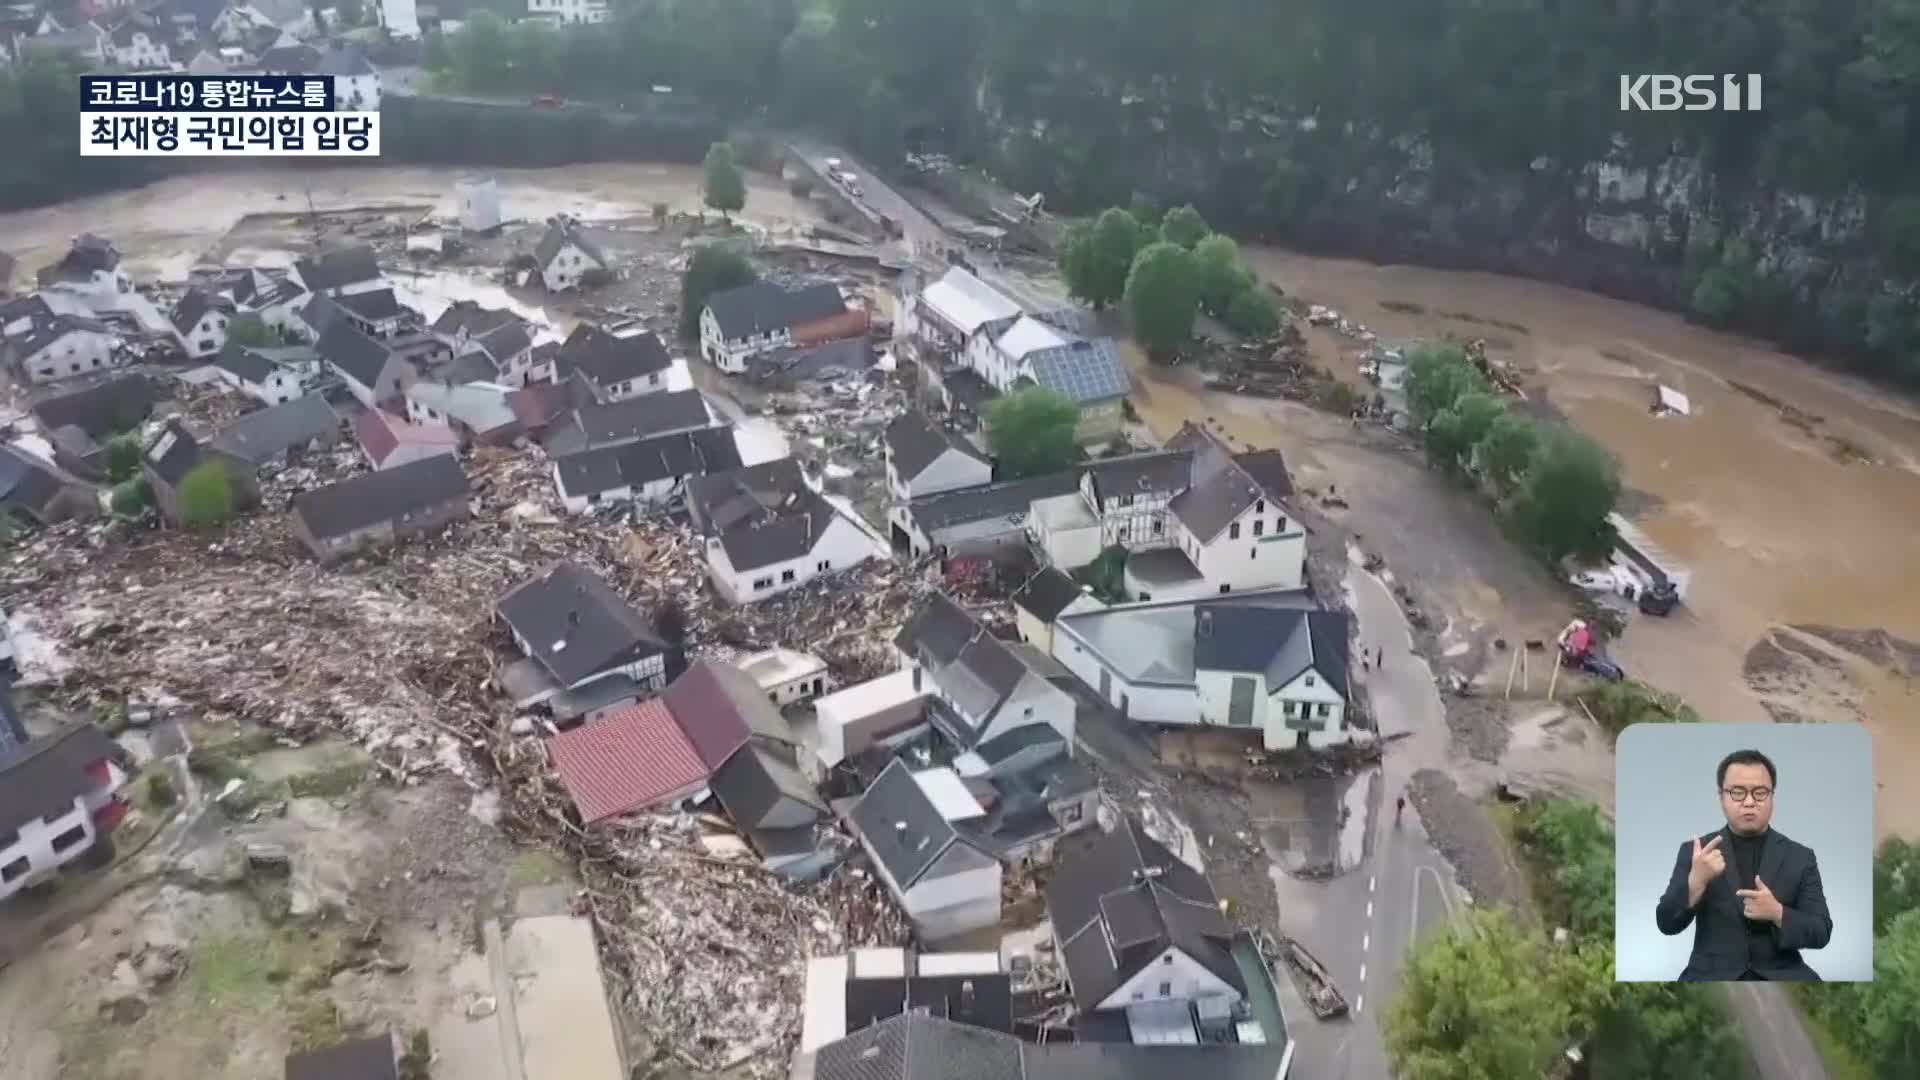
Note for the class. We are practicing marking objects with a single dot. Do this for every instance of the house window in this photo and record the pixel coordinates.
(1309, 678)
(762, 583)
(1123, 500)
(14, 869)
(1071, 815)
(1027, 713)
(1289, 707)
(1233, 531)
(1253, 553)
(69, 838)
(593, 499)
(1226, 588)
(1259, 506)
(824, 565)
(1159, 526)
(1259, 527)
(1325, 709)
(786, 575)
(1166, 988)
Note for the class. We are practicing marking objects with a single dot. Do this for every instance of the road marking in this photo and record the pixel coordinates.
(1369, 909)
(1360, 1005)
(1365, 941)
(1373, 883)
(1363, 973)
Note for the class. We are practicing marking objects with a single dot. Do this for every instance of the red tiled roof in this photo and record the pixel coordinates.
(707, 714)
(630, 759)
(381, 433)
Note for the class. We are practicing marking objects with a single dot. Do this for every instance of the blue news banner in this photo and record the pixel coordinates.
(221, 116)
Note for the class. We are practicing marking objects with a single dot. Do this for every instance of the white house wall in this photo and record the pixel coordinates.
(207, 337)
(1274, 560)
(731, 355)
(77, 352)
(1214, 693)
(564, 270)
(1149, 702)
(1183, 977)
(950, 471)
(1330, 728)
(1070, 548)
(1050, 704)
(955, 904)
(841, 545)
(36, 844)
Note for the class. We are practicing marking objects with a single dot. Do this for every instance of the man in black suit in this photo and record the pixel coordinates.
(1755, 919)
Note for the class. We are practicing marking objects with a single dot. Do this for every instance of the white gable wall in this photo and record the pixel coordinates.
(1034, 701)
(563, 271)
(1308, 693)
(948, 472)
(76, 352)
(206, 337)
(1274, 559)
(1173, 976)
(840, 545)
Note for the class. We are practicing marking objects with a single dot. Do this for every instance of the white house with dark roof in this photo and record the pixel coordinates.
(57, 798)
(270, 376)
(340, 272)
(616, 366)
(62, 346)
(372, 371)
(376, 313)
(1270, 662)
(1042, 599)
(495, 333)
(565, 255)
(1139, 930)
(988, 520)
(1233, 522)
(356, 82)
(767, 530)
(199, 321)
(596, 425)
(925, 459)
(275, 297)
(585, 649)
(982, 686)
(90, 269)
(946, 885)
(752, 320)
(136, 43)
(652, 471)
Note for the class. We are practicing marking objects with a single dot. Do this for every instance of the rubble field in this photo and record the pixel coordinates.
(395, 651)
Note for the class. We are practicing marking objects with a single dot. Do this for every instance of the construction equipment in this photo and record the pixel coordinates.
(1580, 650)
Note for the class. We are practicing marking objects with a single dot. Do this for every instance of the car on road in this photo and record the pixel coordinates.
(549, 101)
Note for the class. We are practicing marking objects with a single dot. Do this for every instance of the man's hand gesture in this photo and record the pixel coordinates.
(1708, 863)
(1758, 903)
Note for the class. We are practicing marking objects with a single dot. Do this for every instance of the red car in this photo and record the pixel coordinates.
(548, 101)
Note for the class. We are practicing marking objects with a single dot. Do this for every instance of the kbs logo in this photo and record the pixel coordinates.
(1692, 93)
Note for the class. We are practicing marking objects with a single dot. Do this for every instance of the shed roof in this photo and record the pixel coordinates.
(767, 307)
(630, 759)
(45, 775)
(351, 505)
(575, 625)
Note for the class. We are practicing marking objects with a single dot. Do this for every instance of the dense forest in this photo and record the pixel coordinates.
(1453, 132)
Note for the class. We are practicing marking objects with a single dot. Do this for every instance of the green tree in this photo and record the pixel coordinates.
(249, 330)
(713, 268)
(1896, 881)
(1506, 451)
(205, 496)
(724, 186)
(882, 124)
(1461, 426)
(1680, 1029)
(123, 457)
(1096, 259)
(1575, 844)
(1184, 226)
(1032, 432)
(1487, 997)
(1252, 313)
(1438, 374)
(1222, 278)
(131, 496)
(1564, 501)
(1880, 1020)
(1145, 210)
(1619, 705)
(1163, 292)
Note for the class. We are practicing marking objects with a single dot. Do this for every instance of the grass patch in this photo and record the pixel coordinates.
(227, 759)
(536, 866)
(156, 793)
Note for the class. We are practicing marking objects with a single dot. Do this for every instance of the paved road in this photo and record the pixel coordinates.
(1361, 924)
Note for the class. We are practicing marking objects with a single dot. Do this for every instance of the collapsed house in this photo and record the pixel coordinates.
(351, 516)
(585, 649)
(173, 454)
(270, 435)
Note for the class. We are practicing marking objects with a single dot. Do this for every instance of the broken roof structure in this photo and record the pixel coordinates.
(48, 773)
(28, 484)
(338, 269)
(767, 307)
(118, 404)
(561, 231)
(87, 254)
(266, 434)
(1119, 900)
(762, 514)
(574, 625)
(172, 453)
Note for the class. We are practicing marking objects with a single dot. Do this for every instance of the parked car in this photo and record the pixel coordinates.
(548, 101)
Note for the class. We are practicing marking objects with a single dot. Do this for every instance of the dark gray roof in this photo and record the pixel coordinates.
(102, 409)
(937, 632)
(88, 252)
(1119, 899)
(504, 342)
(1154, 472)
(575, 625)
(172, 452)
(687, 453)
(767, 307)
(915, 442)
(763, 514)
(762, 788)
(339, 268)
(265, 434)
(372, 305)
(1220, 489)
(1278, 642)
(46, 331)
(290, 60)
(361, 1059)
(245, 363)
(970, 390)
(356, 354)
(25, 483)
(192, 305)
(902, 826)
(351, 505)
(560, 232)
(661, 413)
(720, 708)
(606, 359)
(976, 999)
(1047, 593)
(45, 775)
(473, 318)
(468, 367)
(1268, 469)
(1011, 499)
(320, 314)
(916, 1047)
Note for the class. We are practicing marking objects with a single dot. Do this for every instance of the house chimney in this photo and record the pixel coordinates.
(1206, 624)
(916, 678)
(966, 998)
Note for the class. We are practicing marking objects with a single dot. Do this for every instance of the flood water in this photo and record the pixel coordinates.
(1807, 515)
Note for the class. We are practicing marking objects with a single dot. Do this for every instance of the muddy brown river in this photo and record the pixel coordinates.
(1792, 493)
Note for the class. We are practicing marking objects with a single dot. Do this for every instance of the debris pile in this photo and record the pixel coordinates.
(1275, 366)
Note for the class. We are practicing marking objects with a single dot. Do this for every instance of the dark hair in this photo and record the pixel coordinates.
(1746, 757)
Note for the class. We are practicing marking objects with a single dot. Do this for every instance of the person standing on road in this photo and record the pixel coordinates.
(1399, 807)
(1752, 922)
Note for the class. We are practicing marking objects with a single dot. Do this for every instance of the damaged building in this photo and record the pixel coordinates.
(585, 650)
(766, 531)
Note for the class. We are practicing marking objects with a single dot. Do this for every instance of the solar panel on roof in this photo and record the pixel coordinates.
(1089, 373)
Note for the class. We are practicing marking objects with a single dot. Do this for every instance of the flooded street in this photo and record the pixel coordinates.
(1792, 493)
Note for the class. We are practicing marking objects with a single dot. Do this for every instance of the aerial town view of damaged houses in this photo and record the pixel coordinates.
(645, 621)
